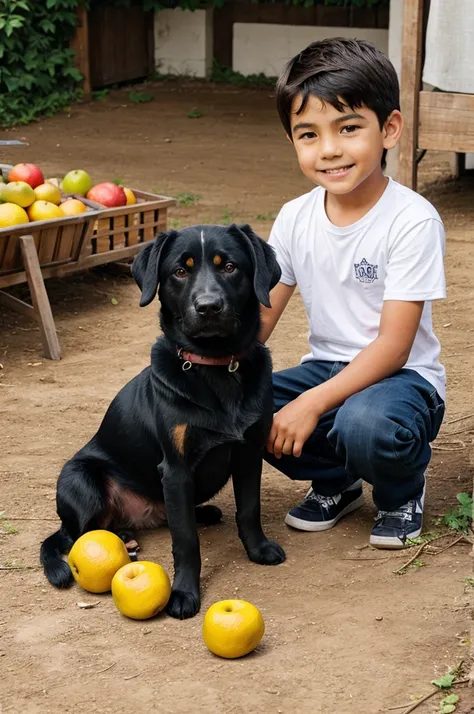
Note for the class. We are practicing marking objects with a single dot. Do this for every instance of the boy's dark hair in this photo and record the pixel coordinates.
(338, 68)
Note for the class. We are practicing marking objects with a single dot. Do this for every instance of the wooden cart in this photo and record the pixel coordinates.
(54, 248)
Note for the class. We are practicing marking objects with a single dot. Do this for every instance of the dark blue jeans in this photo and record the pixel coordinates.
(381, 435)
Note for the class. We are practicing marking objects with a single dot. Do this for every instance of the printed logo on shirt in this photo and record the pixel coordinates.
(365, 272)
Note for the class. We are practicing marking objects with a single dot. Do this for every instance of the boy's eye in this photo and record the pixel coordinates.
(308, 135)
(349, 128)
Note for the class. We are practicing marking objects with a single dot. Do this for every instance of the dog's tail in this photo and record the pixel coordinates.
(56, 569)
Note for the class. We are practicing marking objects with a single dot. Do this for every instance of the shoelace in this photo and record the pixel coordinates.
(324, 501)
(404, 512)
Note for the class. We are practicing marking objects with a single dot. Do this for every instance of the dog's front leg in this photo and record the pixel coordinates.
(178, 490)
(246, 478)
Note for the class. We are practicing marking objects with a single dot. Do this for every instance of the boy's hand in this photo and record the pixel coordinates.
(292, 425)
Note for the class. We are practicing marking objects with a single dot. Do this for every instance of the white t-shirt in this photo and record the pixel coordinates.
(394, 252)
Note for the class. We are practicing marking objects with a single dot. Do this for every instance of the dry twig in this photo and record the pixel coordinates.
(461, 418)
(105, 670)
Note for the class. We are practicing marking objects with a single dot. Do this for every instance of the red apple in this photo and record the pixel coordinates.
(107, 194)
(29, 173)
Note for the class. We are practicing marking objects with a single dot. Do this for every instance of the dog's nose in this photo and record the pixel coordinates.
(208, 305)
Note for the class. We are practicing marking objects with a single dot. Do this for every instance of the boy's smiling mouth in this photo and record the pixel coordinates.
(338, 170)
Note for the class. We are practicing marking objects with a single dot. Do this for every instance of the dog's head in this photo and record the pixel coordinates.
(211, 279)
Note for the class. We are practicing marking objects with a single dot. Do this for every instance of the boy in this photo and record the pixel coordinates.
(367, 256)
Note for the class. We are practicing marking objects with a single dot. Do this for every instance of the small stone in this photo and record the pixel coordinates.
(379, 618)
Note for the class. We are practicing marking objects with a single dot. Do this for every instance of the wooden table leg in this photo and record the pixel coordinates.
(39, 298)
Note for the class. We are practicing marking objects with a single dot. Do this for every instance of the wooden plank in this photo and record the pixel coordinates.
(13, 303)
(12, 255)
(410, 88)
(80, 46)
(65, 242)
(446, 122)
(39, 297)
(118, 236)
(47, 244)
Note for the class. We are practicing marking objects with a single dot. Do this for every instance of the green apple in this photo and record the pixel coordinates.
(77, 181)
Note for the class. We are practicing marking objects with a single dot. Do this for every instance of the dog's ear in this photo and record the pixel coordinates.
(146, 266)
(267, 272)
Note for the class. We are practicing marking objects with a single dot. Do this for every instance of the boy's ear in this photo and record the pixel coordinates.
(267, 272)
(146, 266)
(392, 129)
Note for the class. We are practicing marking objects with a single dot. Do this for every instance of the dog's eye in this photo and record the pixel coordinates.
(229, 267)
(181, 273)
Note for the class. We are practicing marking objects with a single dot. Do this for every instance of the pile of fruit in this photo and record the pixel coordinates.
(26, 196)
(100, 562)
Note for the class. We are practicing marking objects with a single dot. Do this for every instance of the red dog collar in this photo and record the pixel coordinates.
(189, 358)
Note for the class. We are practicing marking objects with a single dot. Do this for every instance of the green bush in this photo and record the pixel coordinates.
(37, 74)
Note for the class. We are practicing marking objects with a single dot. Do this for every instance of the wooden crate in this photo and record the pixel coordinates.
(117, 229)
(32, 252)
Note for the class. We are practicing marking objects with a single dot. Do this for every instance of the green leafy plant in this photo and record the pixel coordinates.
(448, 704)
(140, 97)
(195, 114)
(444, 682)
(226, 75)
(188, 199)
(459, 518)
(100, 94)
(37, 73)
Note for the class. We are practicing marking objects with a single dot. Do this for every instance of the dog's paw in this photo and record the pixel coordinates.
(268, 553)
(208, 515)
(182, 604)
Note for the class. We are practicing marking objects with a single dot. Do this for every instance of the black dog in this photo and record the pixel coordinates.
(201, 412)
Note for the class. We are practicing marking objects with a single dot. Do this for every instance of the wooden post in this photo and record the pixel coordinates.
(39, 298)
(410, 89)
(80, 45)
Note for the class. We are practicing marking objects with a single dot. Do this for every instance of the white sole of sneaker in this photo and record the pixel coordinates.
(391, 543)
(302, 525)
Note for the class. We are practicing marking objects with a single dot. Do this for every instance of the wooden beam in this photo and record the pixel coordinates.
(446, 122)
(80, 45)
(412, 37)
(14, 303)
(39, 298)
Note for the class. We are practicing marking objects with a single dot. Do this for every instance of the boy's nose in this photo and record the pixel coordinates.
(330, 148)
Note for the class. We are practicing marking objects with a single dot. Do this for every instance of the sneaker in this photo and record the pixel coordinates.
(393, 528)
(318, 513)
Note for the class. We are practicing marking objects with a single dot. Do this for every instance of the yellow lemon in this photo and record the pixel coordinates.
(12, 215)
(48, 192)
(94, 559)
(131, 198)
(141, 590)
(232, 628)
(44, 210)
(19, 192)
(72, 206)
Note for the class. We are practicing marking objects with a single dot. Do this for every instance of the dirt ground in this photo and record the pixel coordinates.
(344, 634)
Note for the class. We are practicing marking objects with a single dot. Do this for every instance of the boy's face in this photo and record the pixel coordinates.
(340, 150)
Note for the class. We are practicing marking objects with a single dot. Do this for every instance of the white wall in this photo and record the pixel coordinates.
(183, 42)
(265, 48)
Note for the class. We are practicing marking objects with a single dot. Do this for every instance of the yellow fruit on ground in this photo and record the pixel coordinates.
(48, 192)
(232, 628)
(12, 215)
(141, 590)
(72, 207)
(44, 211)
(131, 198)
(94, 559)
(19, 192)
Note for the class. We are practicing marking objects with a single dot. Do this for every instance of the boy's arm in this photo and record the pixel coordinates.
(387, 354)
(269, 316)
